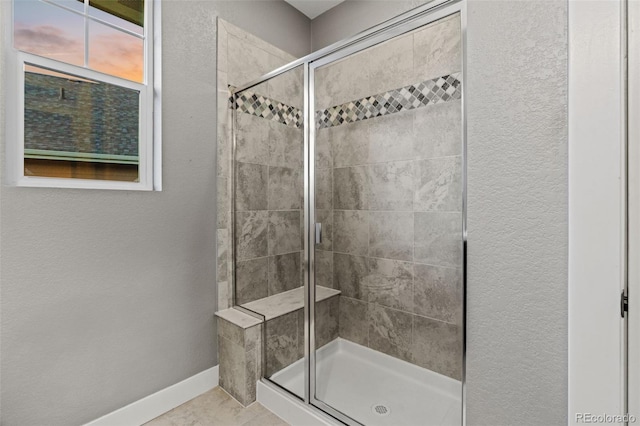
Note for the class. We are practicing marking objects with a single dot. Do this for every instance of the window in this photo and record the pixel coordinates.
(82, 111)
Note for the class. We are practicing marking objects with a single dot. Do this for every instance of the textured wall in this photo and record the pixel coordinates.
(353, 16)
(108, 296)
(273, 21)
(517, 214)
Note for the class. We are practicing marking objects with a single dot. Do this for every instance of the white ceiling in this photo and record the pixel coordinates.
(313, 8)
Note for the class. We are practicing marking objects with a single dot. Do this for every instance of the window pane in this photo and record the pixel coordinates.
(78, 128)
(49, 31)
(128, 14)
(116, 53)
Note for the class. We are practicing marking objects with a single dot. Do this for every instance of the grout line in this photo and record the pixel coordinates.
(394, 211)
(395, 260)
(298, 168)
(268, 210)
(413, 314)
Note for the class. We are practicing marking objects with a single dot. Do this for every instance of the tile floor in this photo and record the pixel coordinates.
(217, 408)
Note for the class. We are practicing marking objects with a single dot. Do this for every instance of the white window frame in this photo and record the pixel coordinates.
(149, 150)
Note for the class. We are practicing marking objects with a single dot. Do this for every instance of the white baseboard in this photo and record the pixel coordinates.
(152, 406)
(290, 409)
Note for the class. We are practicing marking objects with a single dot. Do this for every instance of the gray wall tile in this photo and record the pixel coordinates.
(391, 64)
(437, 346)
(391, 235)
(302, 234)
(342, 81)
(438, 293)
(232, 371)
(285, 272)
(288, 87)
(285, 188)
(354, 324)
(251, 234)
(390, 283)
(223, 205)
(251, 280)
(327, 320)
(300, 345)
(253, 338)
(251, 186)
(351, 188)
(252, 374)
(222, 48)
(438, 130)
(224, 295)
(391, 186)
(247, 66)
(286, 145)
(439, 184)
(252, 139)
(240, 356)
(438, 238)
(391, 137)
(284, 232)
(222, 253)
(324, 268)
(350, 144)
(282, 342)
(349, 275)
(390, 331)
(351, 231)
(230, 331)
(224, 135)
(324, 189)
(437, 49)
(324, 150)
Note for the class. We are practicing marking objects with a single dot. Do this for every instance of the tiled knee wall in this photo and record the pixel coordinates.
(240, 359)
(240, 353)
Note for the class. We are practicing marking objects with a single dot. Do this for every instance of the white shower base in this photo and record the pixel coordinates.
(353, 379)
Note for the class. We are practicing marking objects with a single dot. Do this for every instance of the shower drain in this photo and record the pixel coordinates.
(381, 409)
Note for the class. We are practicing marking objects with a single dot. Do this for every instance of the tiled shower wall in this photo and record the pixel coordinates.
(268, 158)
(269, 200)
(389, 196)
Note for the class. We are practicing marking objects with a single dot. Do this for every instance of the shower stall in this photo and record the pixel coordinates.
(348, 222)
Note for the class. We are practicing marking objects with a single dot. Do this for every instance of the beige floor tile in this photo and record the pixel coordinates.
(217, 408)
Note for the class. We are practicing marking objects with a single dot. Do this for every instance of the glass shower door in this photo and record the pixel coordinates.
(269, 249)
(387, 283)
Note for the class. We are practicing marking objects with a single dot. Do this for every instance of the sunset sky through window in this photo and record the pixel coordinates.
(50, 31)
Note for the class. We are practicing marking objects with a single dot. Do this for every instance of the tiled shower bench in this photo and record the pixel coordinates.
(240, 335)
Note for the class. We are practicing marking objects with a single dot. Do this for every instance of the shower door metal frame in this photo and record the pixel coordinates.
(406, 22)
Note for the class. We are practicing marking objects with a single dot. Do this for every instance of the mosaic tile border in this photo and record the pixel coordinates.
(442, 89)
(434, 91)
(261, 106)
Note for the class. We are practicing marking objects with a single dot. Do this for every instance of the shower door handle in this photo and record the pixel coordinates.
(318, 233)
